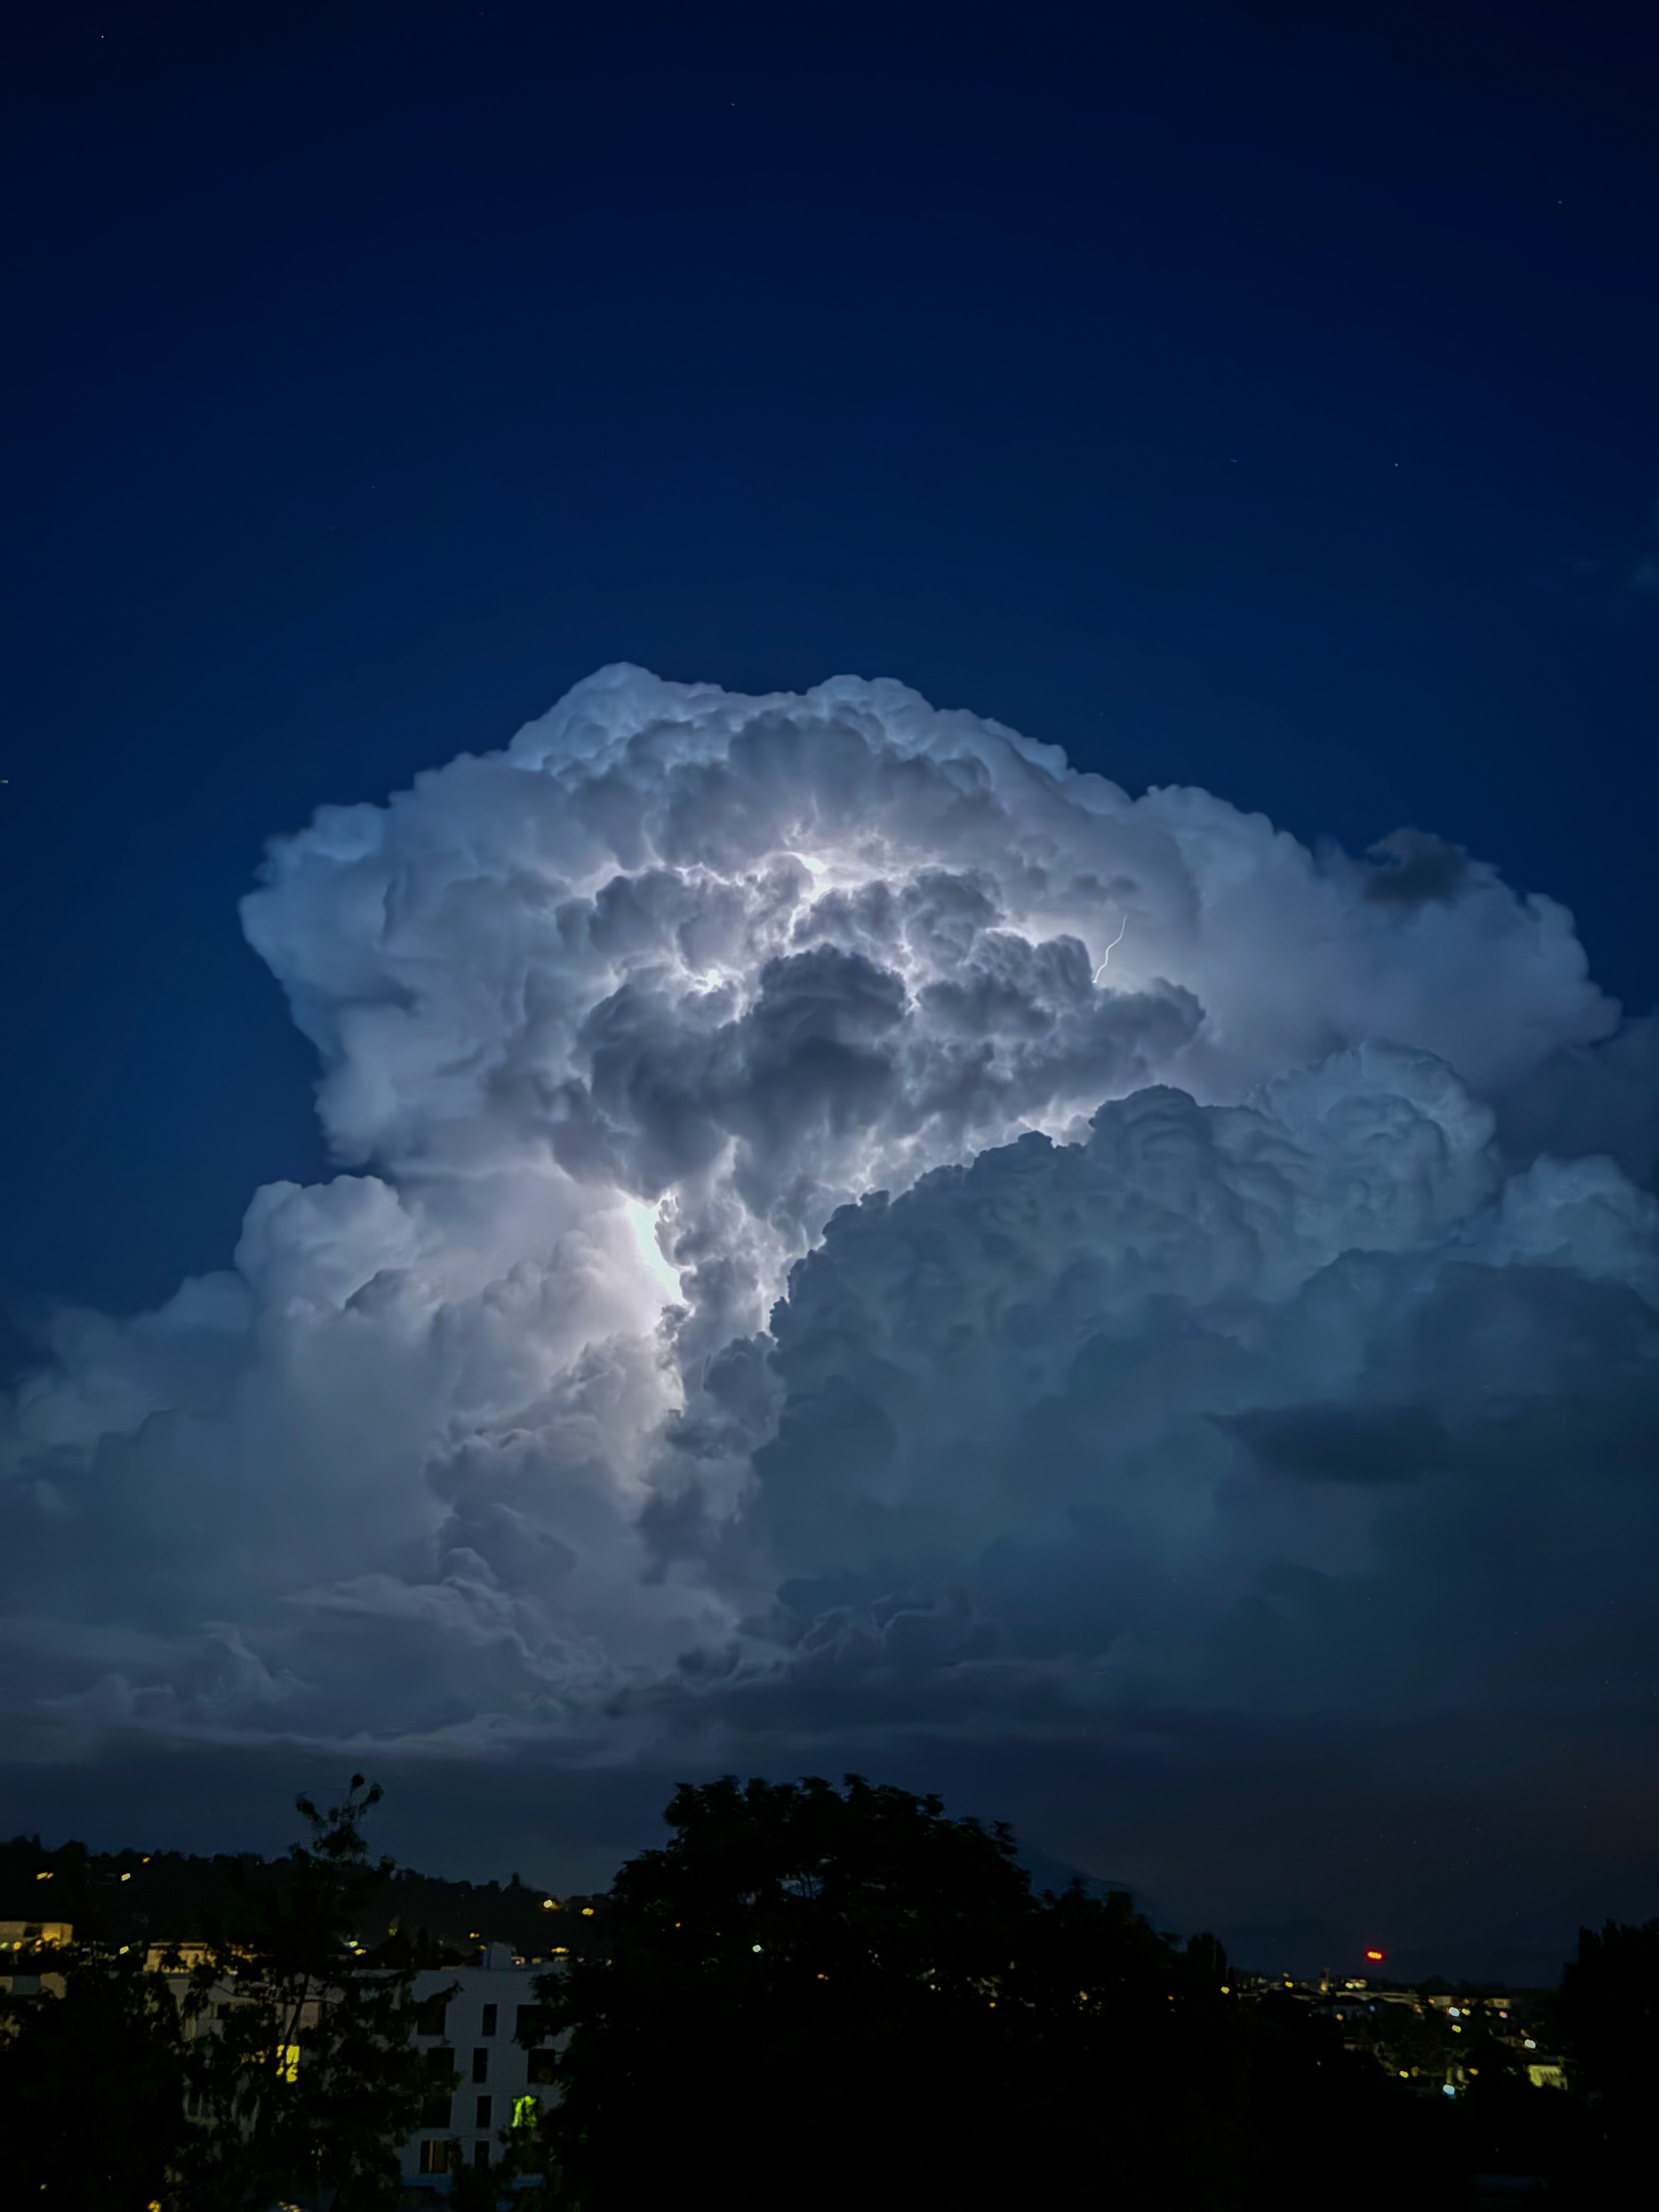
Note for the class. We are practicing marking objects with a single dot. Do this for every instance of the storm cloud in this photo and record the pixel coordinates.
(780, 1285)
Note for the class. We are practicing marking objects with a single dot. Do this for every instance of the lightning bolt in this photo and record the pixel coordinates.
(1111, 949)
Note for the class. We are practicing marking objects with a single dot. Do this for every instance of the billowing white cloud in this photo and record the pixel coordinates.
(1124, 1301)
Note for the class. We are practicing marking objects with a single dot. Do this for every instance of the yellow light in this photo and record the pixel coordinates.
(126, 1877)
(549, 1905)
(1457, 2031)
(1226, 1990)
(46, 1876)
(587, 1912)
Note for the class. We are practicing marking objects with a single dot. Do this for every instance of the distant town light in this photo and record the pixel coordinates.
(587, 1912)
(1376, 1956)
(126, 1877)
(1447, 2090)
(549, 1905)
(45, 1876)
(754, 1947)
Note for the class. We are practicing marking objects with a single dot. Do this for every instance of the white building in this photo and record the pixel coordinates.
(504, 2081)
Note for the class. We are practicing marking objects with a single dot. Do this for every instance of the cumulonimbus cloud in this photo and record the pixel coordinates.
(777, 1268)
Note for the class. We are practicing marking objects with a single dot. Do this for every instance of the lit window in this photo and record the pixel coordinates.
(288, 2061)
(435, 2157)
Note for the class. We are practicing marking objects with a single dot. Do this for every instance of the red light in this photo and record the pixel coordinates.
(1374, 1954)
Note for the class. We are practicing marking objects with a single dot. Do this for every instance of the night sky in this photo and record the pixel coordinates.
(1227, 1449)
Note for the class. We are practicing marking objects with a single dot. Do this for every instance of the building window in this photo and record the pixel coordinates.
(429, 2015)
(531, 2028)
(480, 2153)
(489, 2019)
(484, 2113)
(440, 2081)
(481, 2065)
(435, 2157)
(542, 2063)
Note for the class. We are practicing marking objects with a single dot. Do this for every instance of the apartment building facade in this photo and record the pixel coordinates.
(487, 2031)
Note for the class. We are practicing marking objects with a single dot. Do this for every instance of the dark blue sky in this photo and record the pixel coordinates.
(1231, 396)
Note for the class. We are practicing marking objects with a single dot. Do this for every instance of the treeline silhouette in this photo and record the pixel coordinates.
(810, 1997)
(148, 1897)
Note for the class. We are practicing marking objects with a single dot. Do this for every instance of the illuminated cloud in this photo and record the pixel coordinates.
(778, 1273)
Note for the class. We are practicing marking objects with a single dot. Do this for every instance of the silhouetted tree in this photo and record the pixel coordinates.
(90, 2081)
(301, 2077)
(1608, 2014)
(820, 1996)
